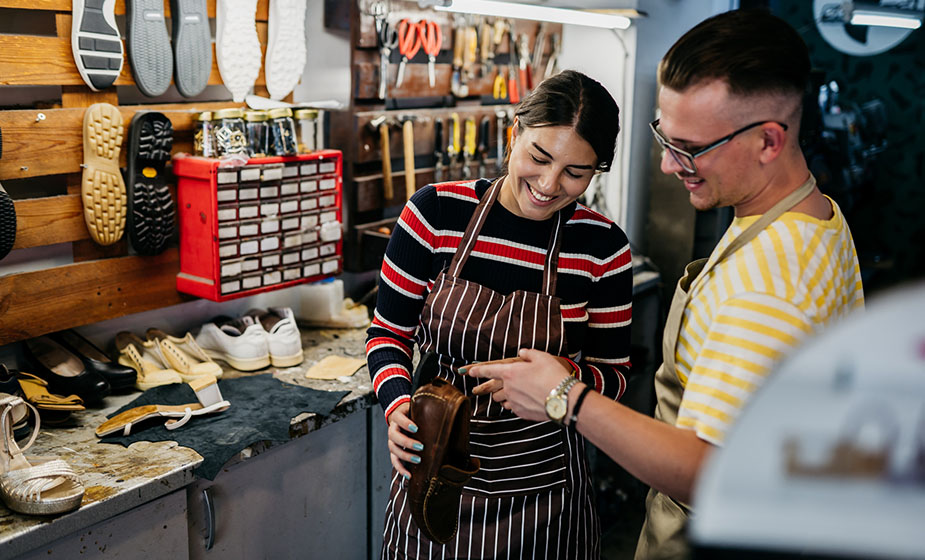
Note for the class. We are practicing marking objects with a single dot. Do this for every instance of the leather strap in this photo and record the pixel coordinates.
(581, 397)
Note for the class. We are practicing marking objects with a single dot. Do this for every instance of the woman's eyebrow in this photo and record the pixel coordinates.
(547, 154)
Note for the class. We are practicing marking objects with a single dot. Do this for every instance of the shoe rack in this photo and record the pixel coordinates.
(369, 212)
(40, 166)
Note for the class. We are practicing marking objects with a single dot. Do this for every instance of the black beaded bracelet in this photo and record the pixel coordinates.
(574, 417)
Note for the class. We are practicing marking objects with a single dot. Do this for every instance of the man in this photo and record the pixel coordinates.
(730, 101)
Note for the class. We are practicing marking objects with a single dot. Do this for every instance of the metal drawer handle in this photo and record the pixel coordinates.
(210, 517)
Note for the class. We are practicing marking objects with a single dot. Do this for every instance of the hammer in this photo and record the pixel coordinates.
(381, 122)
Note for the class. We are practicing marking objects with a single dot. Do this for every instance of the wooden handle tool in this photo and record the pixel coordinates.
(387, 189)
(407, 134)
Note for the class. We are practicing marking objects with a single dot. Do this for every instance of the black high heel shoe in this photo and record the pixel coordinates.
(65, 373)
(120, 378)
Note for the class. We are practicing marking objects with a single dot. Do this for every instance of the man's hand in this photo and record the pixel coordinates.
(521, 384)
(399, 443)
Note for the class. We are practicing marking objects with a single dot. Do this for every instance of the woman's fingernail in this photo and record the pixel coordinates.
(415, 459)
(412, 428)
(463, 370)
(406, 477)
(418, 447)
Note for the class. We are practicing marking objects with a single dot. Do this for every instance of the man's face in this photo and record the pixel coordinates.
(697, 117)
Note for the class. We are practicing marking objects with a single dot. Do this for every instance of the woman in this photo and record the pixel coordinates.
(477, 270)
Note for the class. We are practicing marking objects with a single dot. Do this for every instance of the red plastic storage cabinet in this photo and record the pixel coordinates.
(272, 223)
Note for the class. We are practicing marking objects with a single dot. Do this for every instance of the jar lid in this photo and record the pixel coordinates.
(204, 116)
(255, 116)
(279, 112)
(306, 114)
(229, 114)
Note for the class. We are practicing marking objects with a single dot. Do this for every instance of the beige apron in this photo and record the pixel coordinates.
(663, 532)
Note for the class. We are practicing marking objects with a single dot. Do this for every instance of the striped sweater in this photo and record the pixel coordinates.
(595, 282)
(755, 307)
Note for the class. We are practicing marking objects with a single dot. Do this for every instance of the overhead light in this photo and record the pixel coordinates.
(536, 13)
(904, 15)
(886, 17)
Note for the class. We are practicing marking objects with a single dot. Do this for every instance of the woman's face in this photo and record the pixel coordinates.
(550, 166)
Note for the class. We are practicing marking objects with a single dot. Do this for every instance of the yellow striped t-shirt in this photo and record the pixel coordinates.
(755, 307)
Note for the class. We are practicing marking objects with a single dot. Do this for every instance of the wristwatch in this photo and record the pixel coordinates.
(557, 401)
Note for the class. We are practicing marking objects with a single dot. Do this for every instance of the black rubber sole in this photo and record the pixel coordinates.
(151, 210)
(7, 223)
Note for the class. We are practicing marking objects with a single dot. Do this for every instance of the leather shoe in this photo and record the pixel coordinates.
(65, 373)
(119, 377)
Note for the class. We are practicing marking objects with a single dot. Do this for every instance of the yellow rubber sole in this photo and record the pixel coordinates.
(102, 188)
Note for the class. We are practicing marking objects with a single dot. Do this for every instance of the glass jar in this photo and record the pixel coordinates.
(257, 133)
(203, 141)
(229, 132)
(308, 129)
(282, 132)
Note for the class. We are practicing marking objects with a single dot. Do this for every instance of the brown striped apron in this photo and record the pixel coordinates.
(662, 535)
(531, 498)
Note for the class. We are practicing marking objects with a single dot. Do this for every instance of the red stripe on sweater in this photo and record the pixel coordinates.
(406, 283)
(387, 374)
(463, 188)
(406, 334)
(573, 312)
(374, 343)
(611, 316)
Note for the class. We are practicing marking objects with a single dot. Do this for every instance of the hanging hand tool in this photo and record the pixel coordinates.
(407, 136)
(388, 40)
(500, 118)
(484, 141)
(512, 91)
(469, 147)
(438, 150)
(523, 59)
(457, 84)
(431, 42)
(377, 10)
(409, 43)
(486, 48)
(452, 148)
(552, 65)
(538, 46)
(499, 85)
(470, 53)
(381, 123)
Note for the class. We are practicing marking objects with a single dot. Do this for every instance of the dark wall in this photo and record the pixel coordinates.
(888, 217)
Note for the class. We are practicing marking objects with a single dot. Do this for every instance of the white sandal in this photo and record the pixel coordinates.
(39, 487)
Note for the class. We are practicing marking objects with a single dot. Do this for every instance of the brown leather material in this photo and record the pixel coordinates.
(441, 413)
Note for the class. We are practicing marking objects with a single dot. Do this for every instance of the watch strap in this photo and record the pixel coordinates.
(581, 397)
(561, 392)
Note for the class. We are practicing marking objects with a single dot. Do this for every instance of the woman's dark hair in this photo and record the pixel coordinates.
(572, 99)
(752, 50)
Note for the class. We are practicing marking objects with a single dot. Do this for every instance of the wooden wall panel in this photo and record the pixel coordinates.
(65, 6)
(46, 221)
(36, 303)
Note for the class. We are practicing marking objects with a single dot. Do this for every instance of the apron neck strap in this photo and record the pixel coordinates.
(765, 219)
(467, 243)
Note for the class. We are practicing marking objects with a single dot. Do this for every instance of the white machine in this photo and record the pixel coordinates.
(828, 460)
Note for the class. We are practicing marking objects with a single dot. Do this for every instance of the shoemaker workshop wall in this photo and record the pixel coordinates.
(42, 103)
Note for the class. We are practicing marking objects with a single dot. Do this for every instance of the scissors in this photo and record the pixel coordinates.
(388, 40)
(409, 42)
(431, 41)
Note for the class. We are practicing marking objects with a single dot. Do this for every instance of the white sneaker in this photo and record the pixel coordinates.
(237, 46)
(283, 337)
(242, 343)
(286, 51)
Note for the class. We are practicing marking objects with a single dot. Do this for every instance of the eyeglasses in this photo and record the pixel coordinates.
(686, 159)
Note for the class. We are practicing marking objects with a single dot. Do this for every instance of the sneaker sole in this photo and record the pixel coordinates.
(237, 46)
(240, 364)
(7, 223)
(286, 52)
(287, 361)
(95, 42)
(102, 189)
(192, 46)
(151, 210)
(148, 45)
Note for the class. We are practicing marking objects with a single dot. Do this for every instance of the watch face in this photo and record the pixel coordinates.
(556, 408)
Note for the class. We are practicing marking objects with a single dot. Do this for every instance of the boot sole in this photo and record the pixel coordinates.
(237, 46)
(192, 45)
(148, 46)
(151, 209)
(95, 42)
(286, 52)
(102, 189)
(7, 223)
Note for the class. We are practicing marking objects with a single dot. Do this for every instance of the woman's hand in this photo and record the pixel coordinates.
(522, 385)
(399, 443)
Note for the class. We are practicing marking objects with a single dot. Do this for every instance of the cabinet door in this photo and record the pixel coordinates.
(304, 499)
(155, 530)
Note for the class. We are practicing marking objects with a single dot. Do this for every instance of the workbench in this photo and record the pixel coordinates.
(320, 495)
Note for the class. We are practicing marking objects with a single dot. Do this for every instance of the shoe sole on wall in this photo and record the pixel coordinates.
(151, 209)
(7, 223)
(237, 46)
(96, 43)
(192, 46)
(148, 45)
(101, 188)
(286, 50)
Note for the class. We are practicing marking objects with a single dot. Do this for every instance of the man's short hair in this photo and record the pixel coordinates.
(753, 51)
